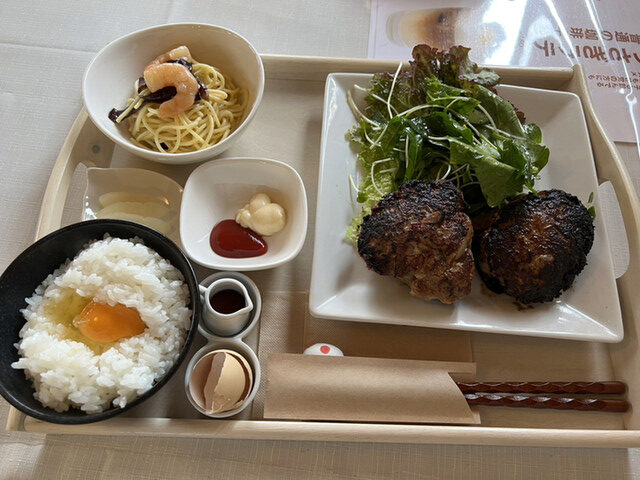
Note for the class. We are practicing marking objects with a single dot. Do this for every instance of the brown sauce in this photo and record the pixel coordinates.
(227, 301)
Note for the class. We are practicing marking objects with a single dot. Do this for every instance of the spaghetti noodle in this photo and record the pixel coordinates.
(205, 123)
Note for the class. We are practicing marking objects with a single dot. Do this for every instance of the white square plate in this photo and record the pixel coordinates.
(343, 288)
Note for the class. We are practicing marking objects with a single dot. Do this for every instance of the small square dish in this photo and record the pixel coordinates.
(134, 194)
(343, 288)
(216, 190)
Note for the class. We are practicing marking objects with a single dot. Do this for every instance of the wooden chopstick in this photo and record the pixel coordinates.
(544, 387)
(557, 403)
(484, 393)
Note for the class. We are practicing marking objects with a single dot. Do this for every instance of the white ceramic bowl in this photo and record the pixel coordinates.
(109, 78)
(216, 190)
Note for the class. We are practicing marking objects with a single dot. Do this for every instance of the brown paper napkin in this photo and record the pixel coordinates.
(281, 330)
(309, 387)
(287, 327)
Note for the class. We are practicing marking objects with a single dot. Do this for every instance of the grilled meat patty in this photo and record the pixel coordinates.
(534, 247)
(421, 234)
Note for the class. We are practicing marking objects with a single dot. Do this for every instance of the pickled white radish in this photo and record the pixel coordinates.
(155, 223)
(152, 211)
(146, 209)
(107, 199)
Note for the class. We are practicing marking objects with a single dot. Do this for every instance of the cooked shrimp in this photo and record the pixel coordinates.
(172, 75)
(178, 52)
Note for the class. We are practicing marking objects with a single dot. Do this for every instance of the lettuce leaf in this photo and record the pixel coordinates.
(446, 121)
(452, 67)
(498, 179)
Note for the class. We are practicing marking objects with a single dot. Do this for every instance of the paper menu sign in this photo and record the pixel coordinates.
(604, 36)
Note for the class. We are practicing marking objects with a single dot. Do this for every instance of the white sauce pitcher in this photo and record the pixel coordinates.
(225, 324)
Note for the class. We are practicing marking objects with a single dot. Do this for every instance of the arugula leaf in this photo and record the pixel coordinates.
(512, 155)
(404, 95)
(591, 208)
(537, 155)
(501, 111)
(521, 148)
(452, 98)
(528, 157)
(413, 154)
(390, 135)
(440, 125)
(435, 88)
(498, 180)
(533, 132)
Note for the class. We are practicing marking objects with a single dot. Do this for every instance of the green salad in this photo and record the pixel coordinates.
(441, 118)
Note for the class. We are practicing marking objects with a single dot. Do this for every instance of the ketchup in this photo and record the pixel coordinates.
(230, 239)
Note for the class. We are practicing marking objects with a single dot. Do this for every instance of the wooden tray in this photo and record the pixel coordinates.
(287, 127)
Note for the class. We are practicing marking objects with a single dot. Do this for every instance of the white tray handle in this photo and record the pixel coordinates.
(611, 167)
(84, 144)
(317, 68)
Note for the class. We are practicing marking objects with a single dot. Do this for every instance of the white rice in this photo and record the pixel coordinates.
(67, 373)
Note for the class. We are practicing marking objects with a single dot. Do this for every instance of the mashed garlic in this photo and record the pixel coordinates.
(262, 215)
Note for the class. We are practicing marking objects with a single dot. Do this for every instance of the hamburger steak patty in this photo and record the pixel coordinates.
(421, 234)
(534, 247)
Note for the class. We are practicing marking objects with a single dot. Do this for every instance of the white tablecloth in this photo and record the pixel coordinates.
(45, 47)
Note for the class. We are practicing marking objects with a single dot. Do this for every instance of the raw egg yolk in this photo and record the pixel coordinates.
(104, 323)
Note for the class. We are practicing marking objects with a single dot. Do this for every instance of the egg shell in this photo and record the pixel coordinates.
(324, 349)
(249, 375)
(221, 381)
(225, 383)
